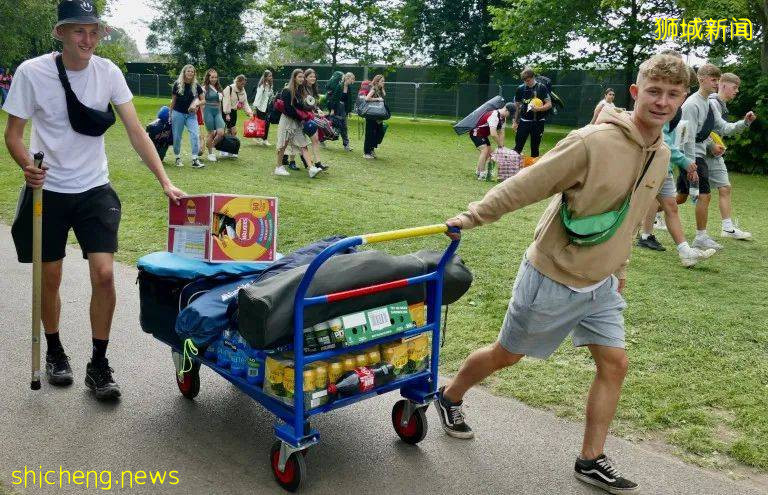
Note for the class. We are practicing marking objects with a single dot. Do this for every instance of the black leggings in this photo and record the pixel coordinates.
(265, 117)
(535, 129)
(373, 135)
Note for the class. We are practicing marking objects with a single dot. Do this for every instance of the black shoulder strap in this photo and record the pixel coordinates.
(62, 74)
(645, 169)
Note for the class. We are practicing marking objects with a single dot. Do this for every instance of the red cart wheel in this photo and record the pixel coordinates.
(189, 382)
(295, 468)
(416, 428)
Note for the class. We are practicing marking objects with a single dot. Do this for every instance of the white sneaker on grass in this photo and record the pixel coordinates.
(266, 143)
(706, 242)
(736, 233)
(659, 223)
(368, 156)
(692, 256)
(196, 163)
(482, 175)
(211, 157)
(179, 163)
(281, 171)
(313, 171)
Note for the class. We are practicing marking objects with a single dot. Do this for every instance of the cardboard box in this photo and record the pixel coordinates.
(223, 227)
(375, 323)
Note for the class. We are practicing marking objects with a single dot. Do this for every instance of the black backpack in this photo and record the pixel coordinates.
(557, 103)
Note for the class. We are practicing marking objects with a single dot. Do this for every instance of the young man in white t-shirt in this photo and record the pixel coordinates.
(75, 179)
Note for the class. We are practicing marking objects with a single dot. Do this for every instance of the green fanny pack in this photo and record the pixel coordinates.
(596, 229)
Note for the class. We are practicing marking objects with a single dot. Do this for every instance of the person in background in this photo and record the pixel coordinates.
(533, 101)
(490, 125)
(5, 85)
(263, 101)
(311, 97)
(340, 104)
(607, 101)
(235, 98)
(374, 129)
(186, 97)
(290, 135)
(214, 122)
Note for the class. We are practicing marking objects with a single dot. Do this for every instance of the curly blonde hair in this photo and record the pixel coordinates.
(666, 68)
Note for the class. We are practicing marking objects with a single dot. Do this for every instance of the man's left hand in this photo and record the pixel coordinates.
(750, 117)
(173, 193)
(718, 150)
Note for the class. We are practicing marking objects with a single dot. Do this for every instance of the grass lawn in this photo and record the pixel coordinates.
(697, 338)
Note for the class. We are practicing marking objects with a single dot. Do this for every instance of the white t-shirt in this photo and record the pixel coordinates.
(493, 120)
(76, 162)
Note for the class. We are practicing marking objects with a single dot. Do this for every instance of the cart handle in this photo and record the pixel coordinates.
(404, 233)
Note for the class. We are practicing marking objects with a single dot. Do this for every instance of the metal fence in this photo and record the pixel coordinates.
(423, 100)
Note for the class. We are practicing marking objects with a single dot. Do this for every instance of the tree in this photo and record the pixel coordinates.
(118, 36)
(25, 29)
(754, 10)
(332, 30)
(455, 36)
(615, 33)
(206, 33)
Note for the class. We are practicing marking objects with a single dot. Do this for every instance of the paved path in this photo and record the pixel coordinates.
(219, 443)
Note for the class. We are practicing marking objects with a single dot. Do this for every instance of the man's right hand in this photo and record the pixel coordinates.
(35, 177)
(453, 222)
(514, 126)
(691, 168)
(693, 176)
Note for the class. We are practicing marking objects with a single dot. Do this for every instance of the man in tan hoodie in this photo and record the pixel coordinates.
(564, 287)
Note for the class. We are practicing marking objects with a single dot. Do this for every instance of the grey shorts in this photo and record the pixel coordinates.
(718, 174)
(542, 313)
(669, 188)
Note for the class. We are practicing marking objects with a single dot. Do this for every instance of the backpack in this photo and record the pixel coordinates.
(557, 102)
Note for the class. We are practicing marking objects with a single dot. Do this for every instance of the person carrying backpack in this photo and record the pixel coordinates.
(490, 125)
(532, 102)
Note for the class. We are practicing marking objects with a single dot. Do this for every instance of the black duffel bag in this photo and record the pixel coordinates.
(265, 309)
(229, 144)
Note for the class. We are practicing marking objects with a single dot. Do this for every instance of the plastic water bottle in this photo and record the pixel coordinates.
(222, 359)
(238, 354)
(693, 192)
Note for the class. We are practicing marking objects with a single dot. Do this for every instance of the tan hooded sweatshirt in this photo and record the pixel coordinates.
(595, 167)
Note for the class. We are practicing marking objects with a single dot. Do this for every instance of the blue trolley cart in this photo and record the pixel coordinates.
(293, 430)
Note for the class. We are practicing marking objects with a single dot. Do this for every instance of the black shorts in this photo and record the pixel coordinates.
(232, 118)
(703, 170)
(94, 215)
(479, 140)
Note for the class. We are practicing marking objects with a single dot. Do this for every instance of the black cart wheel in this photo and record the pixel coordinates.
(295, 468)
(416, 428)
(189, 382)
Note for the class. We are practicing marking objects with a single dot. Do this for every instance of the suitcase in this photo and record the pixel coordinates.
(230, 144)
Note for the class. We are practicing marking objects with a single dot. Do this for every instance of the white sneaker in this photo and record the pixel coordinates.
(211, 157)
(482, 175)
(179, 163)
(281, 171)
(259, 141)
(706, 242)
(659, 223)
(368, 157)
(313, 171)
(224, 154)
(197, 163)
(736, 233)
(233, 155)
(265, 143)
(693, 256)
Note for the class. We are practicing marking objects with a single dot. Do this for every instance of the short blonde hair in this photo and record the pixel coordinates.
(665, 67)
(708, 70)
(730, 77)
(526, 73)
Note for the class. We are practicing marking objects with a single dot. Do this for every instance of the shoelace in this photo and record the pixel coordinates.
(606, 464)
(457, 415)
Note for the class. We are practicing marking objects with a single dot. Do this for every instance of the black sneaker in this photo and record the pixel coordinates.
(293, 166)
(452, 417)
(651, 243)
(601, 473)
(98, 377)
(57, 369)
